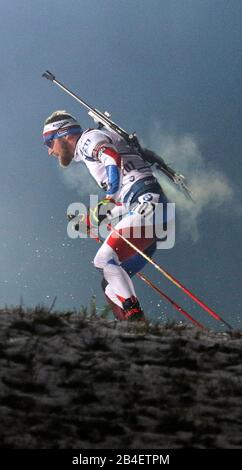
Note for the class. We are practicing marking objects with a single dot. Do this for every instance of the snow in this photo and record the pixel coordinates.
(73, 381)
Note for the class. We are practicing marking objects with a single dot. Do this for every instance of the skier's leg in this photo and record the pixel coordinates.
(117, 258)
(120, 289)
(131, 266)
(113, 301)
(107, 260)
(137, 262)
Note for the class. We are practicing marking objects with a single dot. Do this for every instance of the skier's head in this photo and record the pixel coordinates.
(61, 132)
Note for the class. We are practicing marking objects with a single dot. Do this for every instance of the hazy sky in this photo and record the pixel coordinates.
(169, 69)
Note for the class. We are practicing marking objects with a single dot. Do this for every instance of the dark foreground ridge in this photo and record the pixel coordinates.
(83, 382)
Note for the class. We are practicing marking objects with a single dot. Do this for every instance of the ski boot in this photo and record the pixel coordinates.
(132, 310)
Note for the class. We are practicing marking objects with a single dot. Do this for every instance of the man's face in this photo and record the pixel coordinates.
(61, 149)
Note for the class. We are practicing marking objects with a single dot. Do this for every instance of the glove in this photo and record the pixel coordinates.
(101, 211)
(88, 222)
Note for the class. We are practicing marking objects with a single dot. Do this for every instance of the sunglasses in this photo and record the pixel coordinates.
(50, 141)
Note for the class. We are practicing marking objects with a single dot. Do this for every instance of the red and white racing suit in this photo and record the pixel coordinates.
(128, 180)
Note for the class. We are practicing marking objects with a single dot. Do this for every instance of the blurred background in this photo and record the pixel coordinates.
(171, 71)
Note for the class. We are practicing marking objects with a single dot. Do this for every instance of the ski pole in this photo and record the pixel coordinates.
(172, 302)
(172, 279)
(157, 289)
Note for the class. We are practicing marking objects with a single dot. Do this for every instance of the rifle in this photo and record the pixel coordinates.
(103, 120)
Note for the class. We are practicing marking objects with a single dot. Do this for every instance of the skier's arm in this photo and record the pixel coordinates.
(107, 154)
